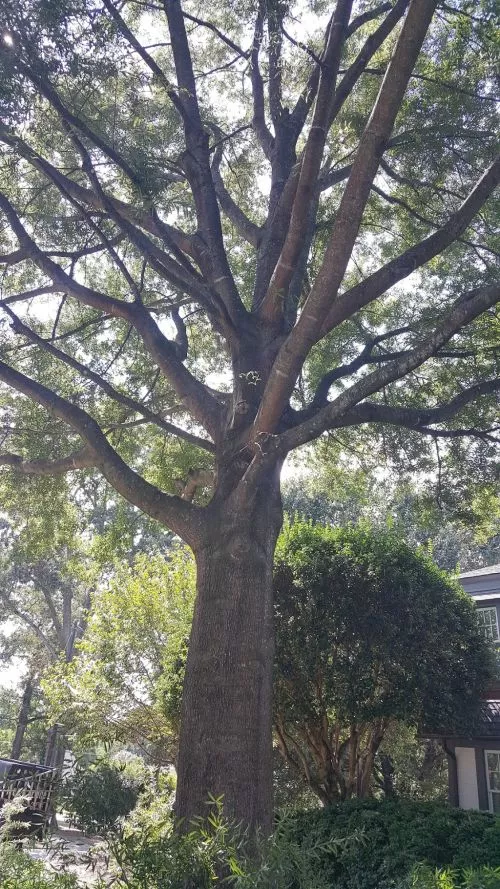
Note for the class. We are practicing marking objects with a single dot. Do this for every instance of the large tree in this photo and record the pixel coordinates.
(206, 217)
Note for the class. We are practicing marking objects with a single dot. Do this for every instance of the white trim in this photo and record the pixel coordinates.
(483, 598)
(488, 789)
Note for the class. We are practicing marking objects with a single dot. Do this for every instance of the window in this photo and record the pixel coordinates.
(493, 778)
(488, 622)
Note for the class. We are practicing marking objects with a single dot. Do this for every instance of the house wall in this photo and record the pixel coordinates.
(467, 780)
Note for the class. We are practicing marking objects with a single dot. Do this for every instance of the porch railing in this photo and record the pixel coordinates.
(34, 788)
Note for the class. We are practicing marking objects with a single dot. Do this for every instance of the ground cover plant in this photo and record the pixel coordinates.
(19, 871)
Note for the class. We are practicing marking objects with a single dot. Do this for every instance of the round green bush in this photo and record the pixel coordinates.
(96, 796)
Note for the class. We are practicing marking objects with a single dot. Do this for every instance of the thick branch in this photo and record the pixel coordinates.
(380, 281)
(130, 403)
(462, 312)
(368, 16)
(182, 518)
(196, 162)
(193, 393)
(372, 143)
(272, 305)
(373, 43)
(145, 56)
(82, 459)
(275, 82)
(196, 478)
(259, 115)
(419, 418)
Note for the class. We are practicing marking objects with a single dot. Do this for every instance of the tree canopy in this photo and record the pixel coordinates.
(223, 236)
(368, 632)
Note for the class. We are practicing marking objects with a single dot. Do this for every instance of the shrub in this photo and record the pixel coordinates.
(19, 871)
(150, 855)
(96, 796)
(399, 835)
(427, 878)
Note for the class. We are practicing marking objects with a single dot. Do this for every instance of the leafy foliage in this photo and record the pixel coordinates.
(97, 795)
(459, 527)
(430, 878)
(354, 606)
(399, 835)
(151, 855)
(126, 681)
(19, 871)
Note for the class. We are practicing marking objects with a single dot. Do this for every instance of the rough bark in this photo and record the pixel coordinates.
(226, 732)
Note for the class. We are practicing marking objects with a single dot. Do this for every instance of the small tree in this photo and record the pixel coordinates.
(126, 683)
(367, 632)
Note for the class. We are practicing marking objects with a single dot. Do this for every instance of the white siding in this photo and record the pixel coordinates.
(468, 796)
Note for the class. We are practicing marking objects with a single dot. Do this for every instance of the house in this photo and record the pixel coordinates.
(474, 762)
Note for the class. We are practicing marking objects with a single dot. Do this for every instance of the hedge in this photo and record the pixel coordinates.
(396, 836)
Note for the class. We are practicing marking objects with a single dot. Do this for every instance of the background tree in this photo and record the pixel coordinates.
(462, 536)
(34, 736)
(202, 260)
(43, 609)
(368, 633)
(125, 684)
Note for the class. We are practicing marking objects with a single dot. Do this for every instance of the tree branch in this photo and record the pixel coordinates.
(371, 146)
(368, 16)
(26, 619)
(464, 310)
(133, 405)
(272, 305)
(364, 357)
(181, 517)
(248, 229)
(196, 163)
(48, 92)
(82, 459)
(259, 115)
(195, 396)
(350, 302)
(373, 43)
(419, 418)
(146, 220)
(225, 39)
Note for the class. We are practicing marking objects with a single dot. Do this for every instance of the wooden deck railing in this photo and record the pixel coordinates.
(35, 789)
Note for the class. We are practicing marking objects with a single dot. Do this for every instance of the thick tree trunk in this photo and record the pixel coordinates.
(22, 720)
(226, 732)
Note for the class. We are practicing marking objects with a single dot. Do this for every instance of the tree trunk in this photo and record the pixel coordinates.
(226, 731)
(22, 720)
